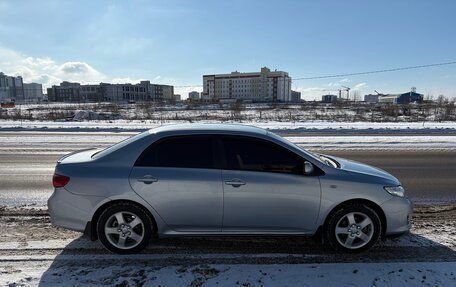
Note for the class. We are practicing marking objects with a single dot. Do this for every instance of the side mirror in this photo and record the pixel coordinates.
(308, 168)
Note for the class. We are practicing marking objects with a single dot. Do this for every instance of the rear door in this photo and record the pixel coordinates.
(179, 178)
(265, 189)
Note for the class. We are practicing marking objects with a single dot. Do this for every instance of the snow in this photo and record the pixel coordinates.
(75, 261)
(127, 273)
(140, 125)
(85, 115)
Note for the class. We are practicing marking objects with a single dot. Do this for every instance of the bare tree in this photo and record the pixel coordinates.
(429, 98)
(442, 100)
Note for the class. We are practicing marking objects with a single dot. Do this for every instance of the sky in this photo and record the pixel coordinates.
(177, 41)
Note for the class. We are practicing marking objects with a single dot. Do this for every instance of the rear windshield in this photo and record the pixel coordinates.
(119, 145)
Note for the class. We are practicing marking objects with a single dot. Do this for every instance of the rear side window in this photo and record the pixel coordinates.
(120, 145)
(243, 153)
(182, 151)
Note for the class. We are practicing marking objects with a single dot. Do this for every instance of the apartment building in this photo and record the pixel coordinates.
(263, 86)
(295, 96)
(11, 88)
(66, 92)
(106, 92)
(33, 92)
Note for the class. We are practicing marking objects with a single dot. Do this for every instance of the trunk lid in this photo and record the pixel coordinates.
(79, 156)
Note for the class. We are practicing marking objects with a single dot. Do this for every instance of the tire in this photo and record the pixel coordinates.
(124, 228)
(353, 228)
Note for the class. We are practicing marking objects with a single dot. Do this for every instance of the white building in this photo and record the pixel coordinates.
(262, 86)
(33, 92)
(194, 95)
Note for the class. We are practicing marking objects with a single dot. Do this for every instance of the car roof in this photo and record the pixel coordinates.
(196, 127)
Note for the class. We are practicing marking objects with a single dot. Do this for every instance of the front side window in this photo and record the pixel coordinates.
(182, 151)
(243, 153)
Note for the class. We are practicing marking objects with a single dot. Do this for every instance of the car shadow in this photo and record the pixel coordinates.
(85, 262)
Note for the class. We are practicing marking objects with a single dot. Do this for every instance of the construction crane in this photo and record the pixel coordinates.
(347, 89)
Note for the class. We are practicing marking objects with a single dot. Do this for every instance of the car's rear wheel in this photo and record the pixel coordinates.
(353, 228)
(124, 228)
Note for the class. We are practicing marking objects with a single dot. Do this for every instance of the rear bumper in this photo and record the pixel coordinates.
(398, 213)
(72, 211)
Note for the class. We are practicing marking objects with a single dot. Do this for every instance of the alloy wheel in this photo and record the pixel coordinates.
(354, 230)
(124, 230)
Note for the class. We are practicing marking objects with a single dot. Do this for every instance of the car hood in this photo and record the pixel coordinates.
(362, 168)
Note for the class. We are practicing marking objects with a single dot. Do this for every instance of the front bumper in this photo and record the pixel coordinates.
(72, 211)
(398, 213)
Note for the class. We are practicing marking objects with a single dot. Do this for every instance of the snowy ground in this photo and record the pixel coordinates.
(339, 274)
(35, 253)
(305, 126)
(348, 112)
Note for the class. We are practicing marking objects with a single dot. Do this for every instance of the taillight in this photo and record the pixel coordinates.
(60, 180)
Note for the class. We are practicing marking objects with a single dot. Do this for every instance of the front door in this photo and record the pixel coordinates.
(265, 189)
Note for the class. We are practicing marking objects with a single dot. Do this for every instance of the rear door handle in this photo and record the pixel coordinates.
(147, 179)
(235, 182)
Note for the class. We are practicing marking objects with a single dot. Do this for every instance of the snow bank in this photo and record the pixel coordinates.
(85, 115)
(308, 126)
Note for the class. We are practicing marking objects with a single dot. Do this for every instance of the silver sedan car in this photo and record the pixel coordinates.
(221, 179)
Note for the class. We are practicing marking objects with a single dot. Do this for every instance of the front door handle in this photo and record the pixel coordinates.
(147, 179)
(235, 182)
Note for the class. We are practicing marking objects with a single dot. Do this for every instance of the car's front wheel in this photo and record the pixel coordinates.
(124, 228)
(353, 228)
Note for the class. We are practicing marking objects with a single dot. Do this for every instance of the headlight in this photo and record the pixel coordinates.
(395, 190)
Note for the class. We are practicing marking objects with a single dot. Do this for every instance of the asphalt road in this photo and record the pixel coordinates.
(428, 176)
